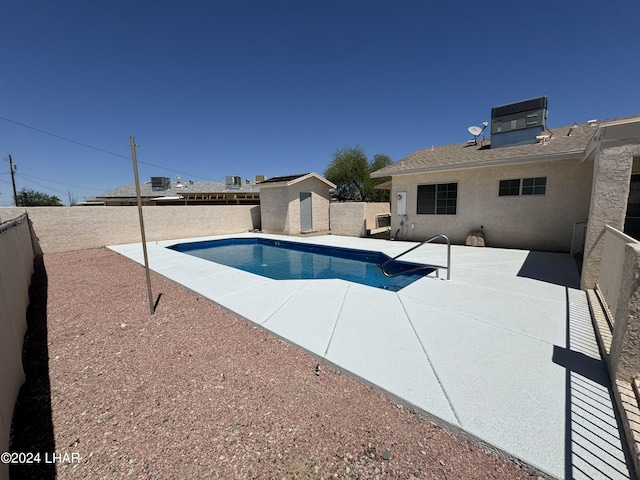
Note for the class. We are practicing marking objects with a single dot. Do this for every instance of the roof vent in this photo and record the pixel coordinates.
(518, 123)
(160, 183)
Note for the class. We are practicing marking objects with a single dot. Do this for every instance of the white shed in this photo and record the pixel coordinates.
(295, 204)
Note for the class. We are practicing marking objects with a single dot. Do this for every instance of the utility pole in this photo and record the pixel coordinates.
(144, 240)
(12, 167)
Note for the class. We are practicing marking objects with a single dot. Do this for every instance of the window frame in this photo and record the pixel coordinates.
(527, 186)
(442, 199)
(507, 190)
(538, 186)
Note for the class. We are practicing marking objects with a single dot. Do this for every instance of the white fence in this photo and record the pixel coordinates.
(611, 267)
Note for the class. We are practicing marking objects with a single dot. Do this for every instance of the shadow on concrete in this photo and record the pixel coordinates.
(32, 426)
(550, 267)
(593, 446)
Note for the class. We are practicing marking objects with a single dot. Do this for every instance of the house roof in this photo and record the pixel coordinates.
(175, 189)
(288, 180)
(564, 142)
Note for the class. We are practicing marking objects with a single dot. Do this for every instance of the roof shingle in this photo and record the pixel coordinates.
(564, 142)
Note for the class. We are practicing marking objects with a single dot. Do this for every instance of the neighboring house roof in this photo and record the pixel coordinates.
(176, 189)
(288, 180)
(565, 142)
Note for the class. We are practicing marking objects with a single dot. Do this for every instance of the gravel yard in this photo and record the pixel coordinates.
(193, 391)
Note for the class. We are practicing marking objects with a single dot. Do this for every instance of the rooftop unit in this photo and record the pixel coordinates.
(518, 123)
(233, 182)
(160, 183)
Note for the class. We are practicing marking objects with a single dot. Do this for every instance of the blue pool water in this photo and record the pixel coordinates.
(284, 260)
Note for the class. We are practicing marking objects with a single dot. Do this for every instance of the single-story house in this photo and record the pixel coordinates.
(162, 191)
(295, 204)
(528, 186)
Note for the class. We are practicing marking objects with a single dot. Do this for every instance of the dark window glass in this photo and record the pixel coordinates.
(426, 199)
(439, 199)
(509, 187)
(534, 186)
(633, 204)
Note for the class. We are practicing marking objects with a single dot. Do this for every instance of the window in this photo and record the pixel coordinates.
(530, 186)
(437, 199)
(509, 187)
(633, 204)
(534, 186)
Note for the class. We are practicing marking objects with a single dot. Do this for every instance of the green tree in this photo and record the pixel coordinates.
(350, 170)
(31, 198)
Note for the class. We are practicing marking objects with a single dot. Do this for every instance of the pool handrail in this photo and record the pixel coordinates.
(422, 267)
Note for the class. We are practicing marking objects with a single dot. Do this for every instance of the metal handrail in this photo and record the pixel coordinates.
(422, 267)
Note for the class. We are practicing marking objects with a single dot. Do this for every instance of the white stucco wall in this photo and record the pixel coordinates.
(610, 193)
(538, 222)
(280, 206)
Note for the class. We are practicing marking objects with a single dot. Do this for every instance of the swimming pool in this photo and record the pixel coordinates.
(284, 260)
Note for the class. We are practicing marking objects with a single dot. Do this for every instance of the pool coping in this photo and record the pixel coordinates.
(452, 350)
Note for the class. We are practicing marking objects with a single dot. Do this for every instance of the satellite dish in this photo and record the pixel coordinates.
(475, 131)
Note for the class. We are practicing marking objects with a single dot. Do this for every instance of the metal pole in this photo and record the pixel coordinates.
(12, 167)
(144, 240)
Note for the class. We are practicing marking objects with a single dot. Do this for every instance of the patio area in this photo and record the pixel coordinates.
(504, 353)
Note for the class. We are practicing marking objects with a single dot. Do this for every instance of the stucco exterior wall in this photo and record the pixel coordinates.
(62, 229)
(274, 207)
(280, 206)
(353, 218)
(16, 258)
(609, 197)
(625, 345)
(537, 222)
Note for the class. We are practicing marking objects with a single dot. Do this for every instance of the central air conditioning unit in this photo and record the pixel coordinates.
(160, 183)
(233, 182)
(518, 123)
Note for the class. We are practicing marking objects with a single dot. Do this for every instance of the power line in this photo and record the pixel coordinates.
(63, 138)
(43, 186)
(62, 183)
(60, 137)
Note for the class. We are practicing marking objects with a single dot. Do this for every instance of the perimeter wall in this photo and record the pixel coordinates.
(16, 267)
(354, 218)
(64, 229)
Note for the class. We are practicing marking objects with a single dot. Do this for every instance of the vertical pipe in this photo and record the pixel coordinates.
(144, 240)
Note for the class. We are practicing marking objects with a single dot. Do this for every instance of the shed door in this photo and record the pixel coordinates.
(306, 222)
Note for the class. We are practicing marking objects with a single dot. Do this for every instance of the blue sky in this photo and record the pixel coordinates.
(248, 87)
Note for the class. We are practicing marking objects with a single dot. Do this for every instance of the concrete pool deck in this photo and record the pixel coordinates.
(504, 352)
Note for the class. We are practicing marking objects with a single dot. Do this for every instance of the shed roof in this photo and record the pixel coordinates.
(288, 180)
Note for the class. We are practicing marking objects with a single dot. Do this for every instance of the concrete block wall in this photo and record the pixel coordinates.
(353, 218)
(63, 229)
